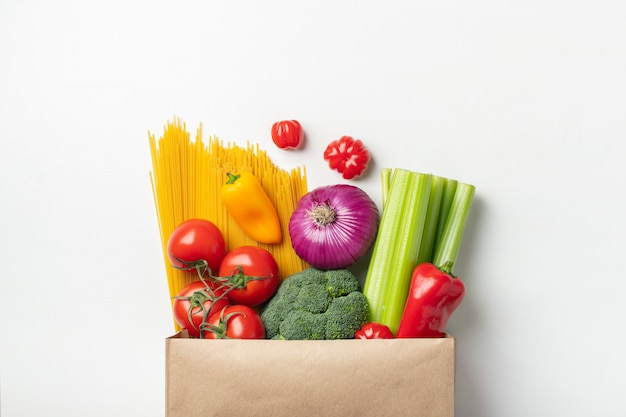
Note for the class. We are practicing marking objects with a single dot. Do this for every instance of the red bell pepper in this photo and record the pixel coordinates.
(433, 296)
(287, 134)
(347, 156)
(373, 330)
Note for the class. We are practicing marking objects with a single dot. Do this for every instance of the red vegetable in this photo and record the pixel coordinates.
(287, 134)
(433, 296)
(234, 322)
(252, 274)
(196, 303)
(195, 244)
(333, 226)
(347, 156)
(373, 330)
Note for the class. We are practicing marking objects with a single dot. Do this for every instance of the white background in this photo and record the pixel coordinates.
(525, 100)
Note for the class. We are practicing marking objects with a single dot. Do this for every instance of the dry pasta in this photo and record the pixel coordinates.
(186, 179)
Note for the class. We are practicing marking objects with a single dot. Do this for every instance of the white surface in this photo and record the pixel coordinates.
(525, 100)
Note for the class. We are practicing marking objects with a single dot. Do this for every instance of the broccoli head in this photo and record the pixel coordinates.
(316, 304)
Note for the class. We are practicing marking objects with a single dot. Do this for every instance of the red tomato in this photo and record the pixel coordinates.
(195, 302)
(235, 322)
(194, 241)
(287, 134)
(253, 272)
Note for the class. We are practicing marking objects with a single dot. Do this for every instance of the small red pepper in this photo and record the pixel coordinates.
(347, 156)
(373, 330)
(287, 134)
(433, 296)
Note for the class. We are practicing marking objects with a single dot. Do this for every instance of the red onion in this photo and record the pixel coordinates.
(333, 226)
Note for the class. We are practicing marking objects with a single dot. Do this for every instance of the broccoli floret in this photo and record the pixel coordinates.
(341, 282)
(316, 304)
(312, 298)
(302, 325)
(272, 317)
(346, 315)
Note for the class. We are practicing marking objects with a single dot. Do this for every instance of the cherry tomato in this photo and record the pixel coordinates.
(195, 241)
(287, 134)
(235, 322)
(196, 303)
(253, 273)
(373, 331)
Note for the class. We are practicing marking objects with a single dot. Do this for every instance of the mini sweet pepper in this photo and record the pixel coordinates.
(287, 134)
(250, 206)
(433, 296)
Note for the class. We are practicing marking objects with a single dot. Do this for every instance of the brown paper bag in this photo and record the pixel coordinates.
(393, 377)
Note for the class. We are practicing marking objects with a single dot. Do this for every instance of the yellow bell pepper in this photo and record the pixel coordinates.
(250, 206)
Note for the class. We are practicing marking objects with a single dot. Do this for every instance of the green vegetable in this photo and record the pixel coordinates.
(315, 304)
(449, 242)
(427, 245)
(385, 176)
(423, 220)
(449, 189)
(397, 246)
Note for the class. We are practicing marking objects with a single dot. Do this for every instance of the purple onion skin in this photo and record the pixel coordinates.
(337, 243)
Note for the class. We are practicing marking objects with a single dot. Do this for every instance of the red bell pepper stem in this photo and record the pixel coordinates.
(434, 295)
(447, 267)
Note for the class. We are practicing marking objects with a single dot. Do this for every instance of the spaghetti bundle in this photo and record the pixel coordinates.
(187, 177)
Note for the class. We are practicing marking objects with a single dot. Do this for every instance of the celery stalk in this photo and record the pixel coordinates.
(448, 246)
(397, 246)
(430, 225)
(446, 201)
(386, 243)
(405, 259)
(385, 177)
